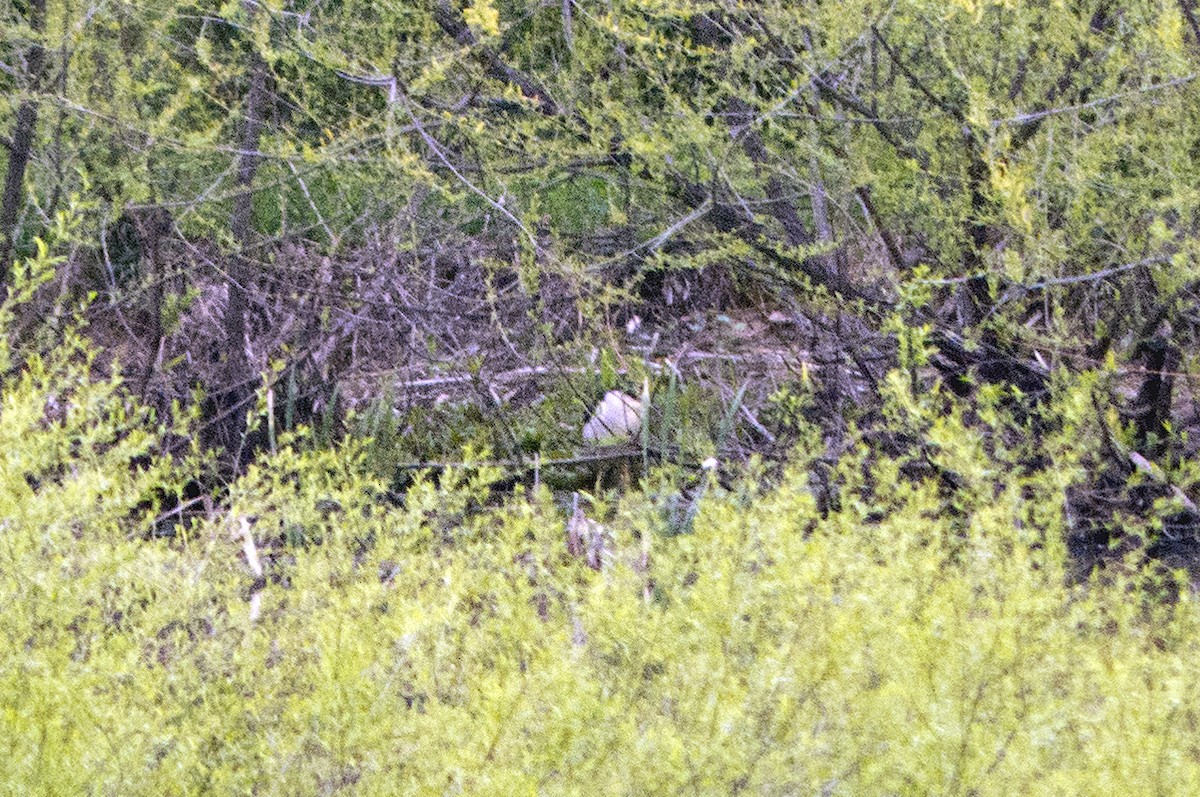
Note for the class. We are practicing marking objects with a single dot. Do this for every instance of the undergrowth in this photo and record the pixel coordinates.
(919, 639)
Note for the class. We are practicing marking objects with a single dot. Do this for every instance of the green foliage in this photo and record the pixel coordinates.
(1025, 143)
(787, 406)
(578, 205)
(424, 434)
(923, 636)
(913, 642)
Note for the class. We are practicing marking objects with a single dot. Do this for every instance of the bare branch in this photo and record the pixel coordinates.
(451, 22)
(1094, 276)
(1037, 116)
(919, 84)
(437, 150)
(1100, 21)
(855, 104)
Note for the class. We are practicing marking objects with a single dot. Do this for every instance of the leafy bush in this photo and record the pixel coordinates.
(902, 645)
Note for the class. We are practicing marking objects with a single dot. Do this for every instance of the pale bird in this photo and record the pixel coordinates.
(616, 419)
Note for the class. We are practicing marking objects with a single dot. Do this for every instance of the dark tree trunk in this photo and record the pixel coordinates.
(21, 146)
(1151, 410)
(238, 387)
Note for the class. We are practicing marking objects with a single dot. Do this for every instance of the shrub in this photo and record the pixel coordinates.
(905, 644)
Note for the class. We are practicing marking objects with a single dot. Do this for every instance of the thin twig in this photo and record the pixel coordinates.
(1026, 118)
(1054, 281)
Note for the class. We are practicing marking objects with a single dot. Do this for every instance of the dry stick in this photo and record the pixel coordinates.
(252, 561)
(819, 200)
(529, 86)
(435, 147)
(658, 241)
(1029, 128)
(459, 379)
(757, 425)
(333, 239)
(849, 100)
(778, 204)
(862, 192)
(872, 214)
(976, 170)
(1157, 474)
(727, 218)
(652, 245)
(693, 195)
(602, 454)
(176, 510)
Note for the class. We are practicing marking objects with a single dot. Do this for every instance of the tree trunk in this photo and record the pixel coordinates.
(21, 146)
(238, 382)
(154, 224)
